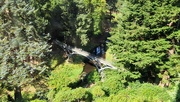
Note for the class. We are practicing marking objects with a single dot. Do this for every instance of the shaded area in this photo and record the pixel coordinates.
(178, 94)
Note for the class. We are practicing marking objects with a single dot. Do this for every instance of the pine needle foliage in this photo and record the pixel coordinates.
(23, 43)
(145, 38)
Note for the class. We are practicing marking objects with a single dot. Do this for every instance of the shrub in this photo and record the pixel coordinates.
(71, 95)
(145, 92)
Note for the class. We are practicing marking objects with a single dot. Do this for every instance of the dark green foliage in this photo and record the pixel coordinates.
(178, 93)
(75, 21)
(144, 36)
(144, 42)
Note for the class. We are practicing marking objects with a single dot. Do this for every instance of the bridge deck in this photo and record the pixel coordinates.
(81, 52)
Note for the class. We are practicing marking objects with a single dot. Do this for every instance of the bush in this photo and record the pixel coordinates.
(97, 92)
(145, 92)
(93, 77)
(138, 93)
(71, 95)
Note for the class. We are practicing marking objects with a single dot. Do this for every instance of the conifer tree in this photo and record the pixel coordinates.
(146, 38)
(23, 45)
(75, 20)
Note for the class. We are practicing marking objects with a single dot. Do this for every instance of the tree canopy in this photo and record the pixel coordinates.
(144, 39)
(23, 45)
(140, 37)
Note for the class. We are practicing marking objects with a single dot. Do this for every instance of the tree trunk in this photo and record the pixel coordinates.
(17, 94)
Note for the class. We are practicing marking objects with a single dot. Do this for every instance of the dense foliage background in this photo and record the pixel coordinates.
(142, 37)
